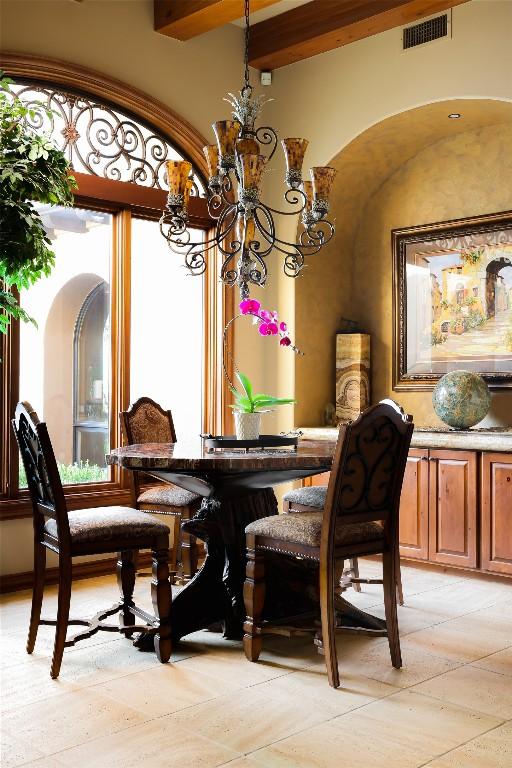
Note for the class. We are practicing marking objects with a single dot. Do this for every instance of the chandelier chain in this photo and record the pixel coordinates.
(246, 52)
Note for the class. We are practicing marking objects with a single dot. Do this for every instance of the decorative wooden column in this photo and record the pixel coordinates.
(352, 375)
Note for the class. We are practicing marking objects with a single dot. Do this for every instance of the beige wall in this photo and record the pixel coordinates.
(117, 37)
(331, 99)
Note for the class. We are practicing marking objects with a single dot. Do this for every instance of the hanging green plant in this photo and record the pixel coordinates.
(32, 170)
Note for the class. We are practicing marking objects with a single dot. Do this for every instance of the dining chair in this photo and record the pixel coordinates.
(312, 499)
(360, 518)
(88, 532)
(147, 422)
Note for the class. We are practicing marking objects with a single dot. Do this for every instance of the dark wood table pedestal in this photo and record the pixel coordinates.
(215, 594)
(236, 491)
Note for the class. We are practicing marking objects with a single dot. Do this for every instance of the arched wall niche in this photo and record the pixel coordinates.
(413, 168)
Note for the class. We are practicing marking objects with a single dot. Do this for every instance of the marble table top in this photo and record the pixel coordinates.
(190, 456)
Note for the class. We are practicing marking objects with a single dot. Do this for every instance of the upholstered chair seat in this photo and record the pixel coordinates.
(306, 529)
(305, 500)
(314, 496)
(168, 495)
(103, 524)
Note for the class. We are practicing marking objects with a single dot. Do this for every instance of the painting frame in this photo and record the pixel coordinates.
(474, 229)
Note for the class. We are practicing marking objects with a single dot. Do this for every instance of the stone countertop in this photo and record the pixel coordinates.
(494, 439)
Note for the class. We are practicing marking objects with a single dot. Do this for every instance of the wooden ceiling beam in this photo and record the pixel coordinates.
(323, 25)
(184, 19)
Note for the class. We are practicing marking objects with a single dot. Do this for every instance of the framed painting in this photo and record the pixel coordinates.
(453, 301)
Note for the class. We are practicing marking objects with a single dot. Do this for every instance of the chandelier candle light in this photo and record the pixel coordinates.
(245, 233)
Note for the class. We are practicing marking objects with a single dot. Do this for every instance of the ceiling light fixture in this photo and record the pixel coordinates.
(246, 232)
(454, 115)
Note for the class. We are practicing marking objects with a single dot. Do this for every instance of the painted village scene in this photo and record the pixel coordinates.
(459, 308)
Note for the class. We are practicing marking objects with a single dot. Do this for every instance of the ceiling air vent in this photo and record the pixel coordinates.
(425, 31)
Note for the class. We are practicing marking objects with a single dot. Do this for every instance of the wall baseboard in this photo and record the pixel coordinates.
(14, 582)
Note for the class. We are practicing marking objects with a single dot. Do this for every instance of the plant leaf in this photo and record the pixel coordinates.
(246, 384)
(265, 402)
(243, 404)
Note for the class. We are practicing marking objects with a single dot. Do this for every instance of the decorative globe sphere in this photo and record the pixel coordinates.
(461, 399)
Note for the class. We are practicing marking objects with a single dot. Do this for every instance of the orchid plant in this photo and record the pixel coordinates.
(247, 402)
(268, 322)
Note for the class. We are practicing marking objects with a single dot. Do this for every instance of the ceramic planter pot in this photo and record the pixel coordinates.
(247, 425)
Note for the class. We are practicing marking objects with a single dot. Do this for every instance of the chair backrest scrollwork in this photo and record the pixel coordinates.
(368, 467)
(147, 422)
(43, 478)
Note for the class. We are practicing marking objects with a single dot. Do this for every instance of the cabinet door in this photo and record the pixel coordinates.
(413, 521)
(496, 506)
(453, 508)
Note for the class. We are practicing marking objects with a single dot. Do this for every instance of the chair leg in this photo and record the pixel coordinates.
(161, 597)
(189, 550)
(254, 599)
(176, 545)
(126, 570)
(398, 577)
(389, 578)
(328, 619)
(354, 567)
(37, 593)
(65, 580)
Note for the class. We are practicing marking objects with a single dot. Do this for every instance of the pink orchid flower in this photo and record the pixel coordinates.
(249, 307)
(268, 322)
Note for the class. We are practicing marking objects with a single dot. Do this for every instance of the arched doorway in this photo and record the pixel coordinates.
(58, 361)
(496, 295)
(91, 376)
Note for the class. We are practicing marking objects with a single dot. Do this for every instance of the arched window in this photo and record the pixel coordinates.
(114, 317)
(98, 138)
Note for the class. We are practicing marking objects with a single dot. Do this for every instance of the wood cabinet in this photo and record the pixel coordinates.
(456, 508)
(438, 508)
(322, 479)
(496, 512)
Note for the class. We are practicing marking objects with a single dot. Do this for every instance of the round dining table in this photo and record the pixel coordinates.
(237, 488)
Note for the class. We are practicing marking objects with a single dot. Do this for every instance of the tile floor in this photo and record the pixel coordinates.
(449, 707)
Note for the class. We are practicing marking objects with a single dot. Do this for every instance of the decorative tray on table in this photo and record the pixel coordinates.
(229, 442)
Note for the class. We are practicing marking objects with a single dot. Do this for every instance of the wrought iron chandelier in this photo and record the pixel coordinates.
(245, 232)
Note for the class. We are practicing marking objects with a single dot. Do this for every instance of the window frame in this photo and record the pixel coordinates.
(122, 200)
